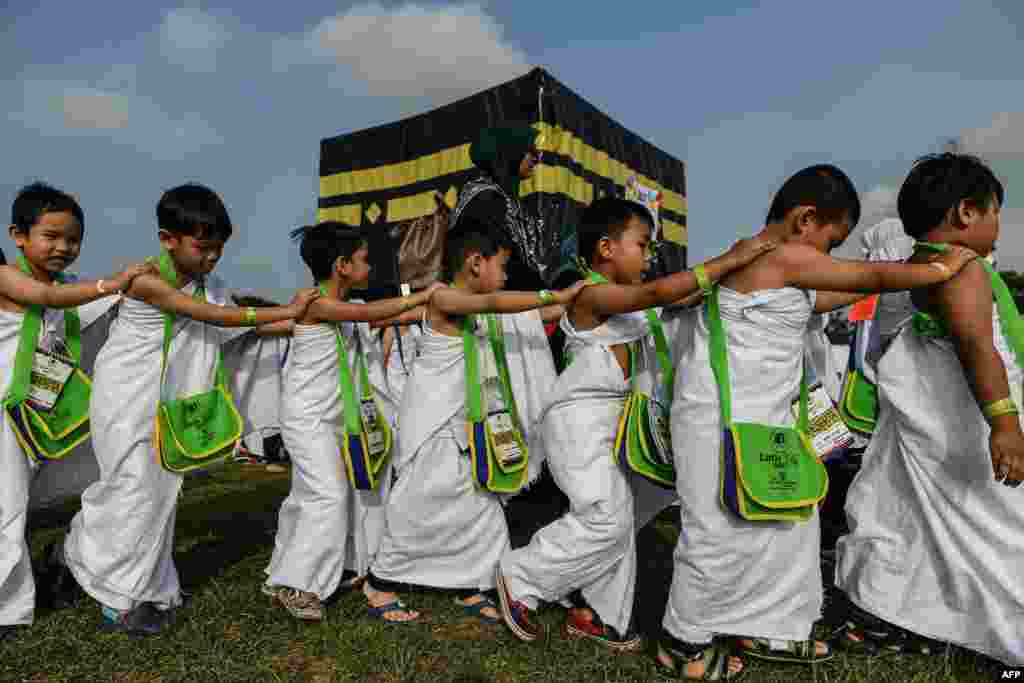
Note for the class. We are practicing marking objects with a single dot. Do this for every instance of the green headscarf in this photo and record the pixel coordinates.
(499, 151)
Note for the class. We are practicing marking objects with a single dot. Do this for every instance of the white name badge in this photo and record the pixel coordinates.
(828, 433)
(374, 435)
(50, 373)
(499, 422)
(658, 426)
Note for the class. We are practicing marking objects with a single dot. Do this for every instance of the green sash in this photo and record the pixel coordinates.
(366, 444)
(48, 434)
(1009, 317)
(769, 472)
(199, 430)
(496, 447)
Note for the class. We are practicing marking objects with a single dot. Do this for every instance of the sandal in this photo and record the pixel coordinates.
(714, 656)
(477, 609)
(785, 651)
(394, 606)
(878, 636)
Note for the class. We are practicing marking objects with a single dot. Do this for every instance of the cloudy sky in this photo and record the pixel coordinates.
(118, 101)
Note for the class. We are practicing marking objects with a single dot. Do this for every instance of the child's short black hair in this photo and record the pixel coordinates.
(938, 183)
(324, 243)
(607, 217)
(822, 186)
(37, 199)
(193, 210)
(469, 237)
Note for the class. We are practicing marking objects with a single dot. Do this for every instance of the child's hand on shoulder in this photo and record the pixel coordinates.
(123, 280)
(302, 299)
(746, 250)
(1006, 447)
(565, 296)
(954, 259)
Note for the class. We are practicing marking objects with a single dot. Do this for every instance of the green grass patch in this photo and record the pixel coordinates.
(230, 631)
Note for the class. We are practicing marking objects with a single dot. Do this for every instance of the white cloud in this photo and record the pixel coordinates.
(440, 53)
(92, 109)
(56, 108)
(1002, 139)
(191, 39)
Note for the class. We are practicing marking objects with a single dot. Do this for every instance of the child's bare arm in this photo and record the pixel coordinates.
(453, 301)
(27, 291)
(808, 268)
(966, 303)
(158, 293)
(332, 310)
(413, 315)
(611, 299)
(282, 328)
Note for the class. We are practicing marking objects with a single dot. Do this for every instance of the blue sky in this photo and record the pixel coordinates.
(116, 102)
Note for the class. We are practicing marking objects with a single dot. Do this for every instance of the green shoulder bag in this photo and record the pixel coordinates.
(367, 440)
(496, 446)
(47, 402)
(194, 431)
(769, 472)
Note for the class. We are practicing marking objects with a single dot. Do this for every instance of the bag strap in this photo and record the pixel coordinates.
(28, 340)
(169, 274)
(1009, 317)
(350, 406)
(720, 366)
(471, 349)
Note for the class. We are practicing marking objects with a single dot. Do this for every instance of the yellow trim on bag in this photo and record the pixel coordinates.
(58, 455)
(73, 427)
(231, 441)
(848, 396)
(792, 505)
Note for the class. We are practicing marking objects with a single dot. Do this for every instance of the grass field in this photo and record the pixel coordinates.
(230, 632)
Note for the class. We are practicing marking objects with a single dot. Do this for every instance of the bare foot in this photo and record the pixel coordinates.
(695, 670)
(472, 600)
(376, 599)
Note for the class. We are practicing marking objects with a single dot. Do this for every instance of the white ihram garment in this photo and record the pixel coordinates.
(442, 530)
(936, 545)
(593, 546)
(757, 579)
(120, 544)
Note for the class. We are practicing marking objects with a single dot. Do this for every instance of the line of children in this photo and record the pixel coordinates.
(442, 530)
(734, 576)
(47, 226)
(325, 526)
(590, 551)
(739, 583)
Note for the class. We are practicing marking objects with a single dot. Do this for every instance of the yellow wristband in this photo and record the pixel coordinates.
(702, 278)
(546, 297)
(1004, 406)
(407, 303)
(250, 316)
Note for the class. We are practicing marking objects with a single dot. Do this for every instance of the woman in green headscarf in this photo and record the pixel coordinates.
(505, 156)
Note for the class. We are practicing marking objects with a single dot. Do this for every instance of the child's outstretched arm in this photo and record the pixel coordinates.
(26, 291)
(454, 301)
(965, 302)
(808, 268)
(154, 291)
(612, 299)
(332, 310)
